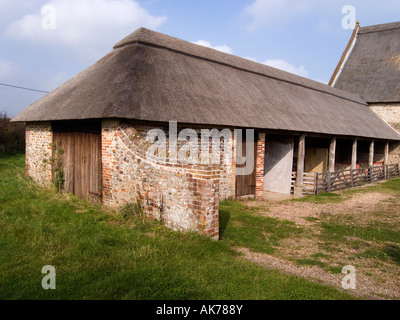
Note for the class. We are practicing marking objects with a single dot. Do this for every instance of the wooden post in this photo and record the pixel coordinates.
(352, 177)
(371, 159)
(353, 162)
(332, 155)
(387, 146)
(300, 166)
(371, 153)
(328, 179)
(354, 155)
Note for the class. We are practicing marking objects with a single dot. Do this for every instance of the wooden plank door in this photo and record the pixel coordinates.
(81, 163)
(246, 185)
(278, 164)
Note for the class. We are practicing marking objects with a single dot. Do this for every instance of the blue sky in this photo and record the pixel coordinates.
(305, 37)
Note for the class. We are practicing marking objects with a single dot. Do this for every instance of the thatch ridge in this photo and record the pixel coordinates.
(153, 38)
(380, 28)
(153, 77)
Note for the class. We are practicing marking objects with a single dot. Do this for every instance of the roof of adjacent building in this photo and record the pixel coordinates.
(150, 76)
(372, 68)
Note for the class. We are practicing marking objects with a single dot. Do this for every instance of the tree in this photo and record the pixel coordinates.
(12, 135)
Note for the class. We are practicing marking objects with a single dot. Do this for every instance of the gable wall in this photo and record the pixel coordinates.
(391, 114)
(39, 139)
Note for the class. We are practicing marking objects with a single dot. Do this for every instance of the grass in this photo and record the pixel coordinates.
(242, 226)
(321, 198)
(382, 230)
(393, 252)
(101, 254)
(374, 254)
(310, 262)
(340, 232)
(320, 255)
(366, 234)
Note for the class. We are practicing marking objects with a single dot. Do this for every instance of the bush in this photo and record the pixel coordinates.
(12, 135)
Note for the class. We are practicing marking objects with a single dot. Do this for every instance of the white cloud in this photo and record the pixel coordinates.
(7, 69)
(16, 74)
(283, 12)
(13, 100)
(251, 59)
(88, 28)
(11, 5)
(286, 66)
(263, 12)
(223, 48)
(320, 80)
(10, 10)
(5, 4)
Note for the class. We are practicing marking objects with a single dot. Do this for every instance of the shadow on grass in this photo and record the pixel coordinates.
(224, 218)
(394, 253)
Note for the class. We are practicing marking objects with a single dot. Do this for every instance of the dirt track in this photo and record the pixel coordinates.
(376, 278)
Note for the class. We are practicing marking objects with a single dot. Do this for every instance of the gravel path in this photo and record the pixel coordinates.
(366, 287)
(298, 212)
(376, 278)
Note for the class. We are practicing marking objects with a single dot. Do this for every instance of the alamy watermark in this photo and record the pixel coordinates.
(49, 17)
(49, 280)
(350, 19)
(349, 281)
(207, 147)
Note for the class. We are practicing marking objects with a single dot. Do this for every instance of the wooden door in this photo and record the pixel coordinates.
(278, 164)
(246, 185)
(79, 156)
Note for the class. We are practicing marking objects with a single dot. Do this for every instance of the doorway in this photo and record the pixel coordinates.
(77, 158)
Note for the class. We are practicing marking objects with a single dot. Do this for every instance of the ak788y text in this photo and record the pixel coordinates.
(216, 309)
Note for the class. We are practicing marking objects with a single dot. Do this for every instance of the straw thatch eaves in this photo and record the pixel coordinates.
(153, 77)
(373, 67)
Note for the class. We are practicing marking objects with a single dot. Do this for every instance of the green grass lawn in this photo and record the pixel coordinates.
(243, 227)
(100, 254)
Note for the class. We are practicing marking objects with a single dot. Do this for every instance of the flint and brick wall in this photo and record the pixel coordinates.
(391, 114)
(39, 139)
(184, 197)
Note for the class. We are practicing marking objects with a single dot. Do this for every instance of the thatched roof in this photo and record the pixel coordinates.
(153, 77)
(373, 67)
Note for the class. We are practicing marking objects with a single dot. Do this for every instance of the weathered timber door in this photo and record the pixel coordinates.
(246, 184)
(78, 153)
(278, 164)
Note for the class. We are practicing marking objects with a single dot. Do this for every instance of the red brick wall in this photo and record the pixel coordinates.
(260, 165)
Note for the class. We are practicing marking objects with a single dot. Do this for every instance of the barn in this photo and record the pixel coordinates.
(92, 135)
(370, 67)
